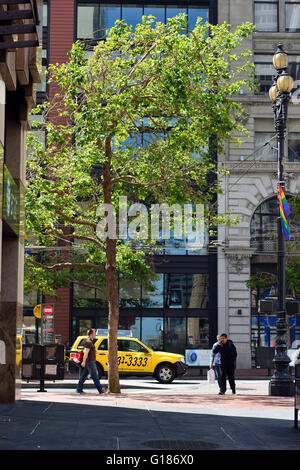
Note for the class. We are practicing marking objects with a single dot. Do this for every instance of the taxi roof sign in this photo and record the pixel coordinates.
(102, 332)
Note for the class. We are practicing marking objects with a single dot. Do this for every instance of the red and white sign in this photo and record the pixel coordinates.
(48, 310)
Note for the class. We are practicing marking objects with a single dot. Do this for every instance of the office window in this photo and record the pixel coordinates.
(175, 334)
(197, 291)
(88, 21)
(155, 10)
(197, 333)
(265, 152)
(264, 75)
(266, 15)
(194, 13)
(95, 18)
(132, 14)
(83, 296)
(153, 332)
(294, 147)
(292, 17)
(175, 290)
(129, 293)
(153, 296)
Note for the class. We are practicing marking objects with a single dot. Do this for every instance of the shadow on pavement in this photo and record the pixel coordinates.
(46, 425)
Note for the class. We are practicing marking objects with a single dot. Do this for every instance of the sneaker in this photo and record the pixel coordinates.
(103, 390)
(221, 393)
(80, 393)
(233, 392)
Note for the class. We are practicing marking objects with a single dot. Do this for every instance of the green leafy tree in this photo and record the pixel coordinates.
(173, 90)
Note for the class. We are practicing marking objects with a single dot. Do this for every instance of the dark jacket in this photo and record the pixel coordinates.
(227, 352)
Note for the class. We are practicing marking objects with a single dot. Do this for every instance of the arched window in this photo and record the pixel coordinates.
(263, 227)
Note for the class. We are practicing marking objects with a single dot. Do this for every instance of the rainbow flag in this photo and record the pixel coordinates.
(284, 213)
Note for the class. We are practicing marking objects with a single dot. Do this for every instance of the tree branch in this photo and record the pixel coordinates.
(61, 266)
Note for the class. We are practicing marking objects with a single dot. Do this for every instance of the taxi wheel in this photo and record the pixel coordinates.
(100, 370)
(165, 373)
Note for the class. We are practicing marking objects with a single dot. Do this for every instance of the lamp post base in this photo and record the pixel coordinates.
(281, 388)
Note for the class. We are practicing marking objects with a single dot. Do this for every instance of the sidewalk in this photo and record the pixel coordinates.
(185, 415)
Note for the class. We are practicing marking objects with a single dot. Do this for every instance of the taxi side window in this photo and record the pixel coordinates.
(127, 345)
(103, 346)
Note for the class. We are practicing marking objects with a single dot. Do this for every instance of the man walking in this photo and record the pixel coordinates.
(88, 364)
(228, 355)
(215, 363)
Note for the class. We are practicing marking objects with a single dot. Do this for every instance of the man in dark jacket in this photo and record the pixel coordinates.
(228, 354)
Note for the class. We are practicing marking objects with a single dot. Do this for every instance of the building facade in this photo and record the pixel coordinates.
(250, 190)
(19, 33)
(199, 294)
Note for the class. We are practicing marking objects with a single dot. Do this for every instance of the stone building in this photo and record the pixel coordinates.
(250, 190)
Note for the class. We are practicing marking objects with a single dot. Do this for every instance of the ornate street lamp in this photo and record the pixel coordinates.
(281, 383)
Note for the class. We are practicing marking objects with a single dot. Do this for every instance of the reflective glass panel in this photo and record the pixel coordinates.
(194, 13)
(129, 293)
(265, 153)
(83, 296)
(197, 333)
(174, 11)
(266, 16)
(132, 14)
(292, 18)
(152, 332)
(108, 15)
(197, 290)
(154, 298)
(88, 21)
(157, 11)
(264, 74)
(175, 334)
(294, 147)
(132, 323)
(175, 290)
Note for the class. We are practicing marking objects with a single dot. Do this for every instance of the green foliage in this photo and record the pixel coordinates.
(176, 91)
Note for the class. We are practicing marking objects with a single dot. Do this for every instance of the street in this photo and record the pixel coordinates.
(185, 415)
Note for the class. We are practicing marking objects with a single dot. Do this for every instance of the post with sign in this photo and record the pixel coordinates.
(47, 336)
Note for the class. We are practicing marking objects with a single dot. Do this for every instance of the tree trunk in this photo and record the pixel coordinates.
(112, 285)
(113, 318)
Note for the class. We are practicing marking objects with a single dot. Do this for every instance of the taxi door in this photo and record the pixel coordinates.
(134, 357)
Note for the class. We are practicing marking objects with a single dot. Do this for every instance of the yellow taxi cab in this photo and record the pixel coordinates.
(134, 358)
(18, 349)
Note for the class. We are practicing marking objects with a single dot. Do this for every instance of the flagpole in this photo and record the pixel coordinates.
(281, 383)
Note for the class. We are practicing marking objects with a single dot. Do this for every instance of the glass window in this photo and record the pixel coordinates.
(155, 10)
(264, 74)
(268, 152)
(175, 334)
(129, 345)
(129, 293)
(266, 15)
(108, 16)
(101, 298)
(152, 332)
(292, 17)
(153, 296)
(174, 11)
(88, 21)
(83, 296)
(84, 326)
(294, 147)
(132, 14)
(197, 333)
(132, 323)
(194, 13)
(103, 346)
(175, 290)
(263, 226)
(197, 290)
(30, 298)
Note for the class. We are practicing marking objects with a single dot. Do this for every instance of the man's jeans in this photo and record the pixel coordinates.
(89, 369)
(217, 369)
